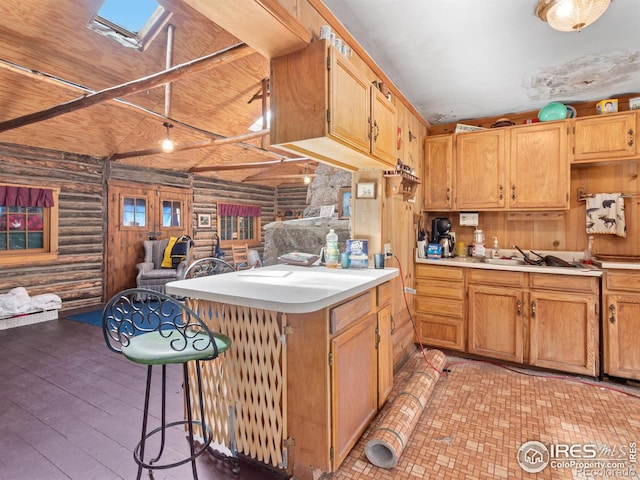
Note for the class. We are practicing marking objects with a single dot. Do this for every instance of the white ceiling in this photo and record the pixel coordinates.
(461, 59)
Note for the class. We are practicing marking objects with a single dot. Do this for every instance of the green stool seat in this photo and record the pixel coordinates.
(155, 348)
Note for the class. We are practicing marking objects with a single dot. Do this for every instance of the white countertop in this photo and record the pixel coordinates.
(283, 288)
(605, 264)
(471, 262)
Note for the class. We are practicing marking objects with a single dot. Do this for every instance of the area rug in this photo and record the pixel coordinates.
(92, 317)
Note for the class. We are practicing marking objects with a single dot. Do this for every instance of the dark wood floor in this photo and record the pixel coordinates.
(70, 408)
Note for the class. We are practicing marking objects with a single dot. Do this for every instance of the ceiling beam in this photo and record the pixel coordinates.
(284, 176)
(178, 72)
(250, 165)
(194, 145)
(62, 83)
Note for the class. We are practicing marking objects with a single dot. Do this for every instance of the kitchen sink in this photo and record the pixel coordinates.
(503, 261)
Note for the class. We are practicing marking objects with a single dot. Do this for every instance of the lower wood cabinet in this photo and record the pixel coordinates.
(495, 322)
(339, 372)
(439, 302)
(563, 323)
(354, 386)
(496, 314)
(546, 320)
(621, 323)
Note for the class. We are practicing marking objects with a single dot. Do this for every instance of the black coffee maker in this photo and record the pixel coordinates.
(441, 233)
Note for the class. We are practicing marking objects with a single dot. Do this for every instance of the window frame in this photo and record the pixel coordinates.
(49, 230)
(141, 40)
(257, 229)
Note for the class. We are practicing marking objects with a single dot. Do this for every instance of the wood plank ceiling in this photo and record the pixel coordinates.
(51, 37)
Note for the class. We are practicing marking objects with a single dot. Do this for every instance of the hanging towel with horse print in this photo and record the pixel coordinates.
(605, 214)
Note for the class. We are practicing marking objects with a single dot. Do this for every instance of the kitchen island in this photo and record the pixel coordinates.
(310, 362)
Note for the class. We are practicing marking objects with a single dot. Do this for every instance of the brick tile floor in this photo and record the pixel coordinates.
(480, 414)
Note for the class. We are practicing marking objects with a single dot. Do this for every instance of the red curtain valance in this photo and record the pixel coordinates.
(11, 196)
(231, 210)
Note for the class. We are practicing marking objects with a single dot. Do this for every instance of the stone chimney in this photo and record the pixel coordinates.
(308, 234)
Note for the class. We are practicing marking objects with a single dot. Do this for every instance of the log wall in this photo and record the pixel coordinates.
(207, 192)
(77, 274)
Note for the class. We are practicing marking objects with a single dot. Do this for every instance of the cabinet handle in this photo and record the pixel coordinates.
(377, 338)
(393, 324)
(513, 192)
(448, 194)
(612, 313)
(501, 192)
(375, 124)
(533, 309)
(519, 307)
(630, 132)
(370, 129)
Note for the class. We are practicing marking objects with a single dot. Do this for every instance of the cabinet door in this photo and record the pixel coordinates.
(622, 336)
(349, 113)
(563, 331)
(539, 166)
(383, 128)
(354, 383)
(385, 355)
(438, 172)
(480, 173)
(495, 321)
(609, 136)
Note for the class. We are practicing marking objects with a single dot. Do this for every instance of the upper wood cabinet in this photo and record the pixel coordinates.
(605, 137)
(324, 108)
(539, 167)
(514, 168)
(438, 172)
(480, 170)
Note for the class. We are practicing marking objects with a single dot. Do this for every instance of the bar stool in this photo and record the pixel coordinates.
(152, 328)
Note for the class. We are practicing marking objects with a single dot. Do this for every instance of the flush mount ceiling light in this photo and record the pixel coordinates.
(167, 144)
(570, 15)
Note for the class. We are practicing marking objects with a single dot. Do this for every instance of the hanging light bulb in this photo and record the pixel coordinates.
(167, 144)
(307, 178)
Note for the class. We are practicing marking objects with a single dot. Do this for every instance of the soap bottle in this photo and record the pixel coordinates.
(495, 252)
(586, 259)
(331, 252)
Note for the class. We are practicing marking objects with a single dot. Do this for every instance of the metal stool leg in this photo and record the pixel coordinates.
(144, 422)
(163, 415)
(187, 393)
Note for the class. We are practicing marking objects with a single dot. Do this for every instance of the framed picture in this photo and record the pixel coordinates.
(344, 203)
(327, 210)
(204, 220)
(366, 190)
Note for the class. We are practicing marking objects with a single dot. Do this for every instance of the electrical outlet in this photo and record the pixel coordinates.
(387, 250)
(468, 219)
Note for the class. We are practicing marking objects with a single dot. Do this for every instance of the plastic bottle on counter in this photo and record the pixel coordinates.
(331, 252)
(478, 243)
(495, 251)
(588, 252)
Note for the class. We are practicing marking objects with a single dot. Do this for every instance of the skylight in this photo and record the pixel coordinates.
(132, 16)
(132, 23)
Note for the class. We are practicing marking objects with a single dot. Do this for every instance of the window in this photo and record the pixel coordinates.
(134, 212)
(239, 222)
(28, 224)
(132, 23)
(171, 213)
